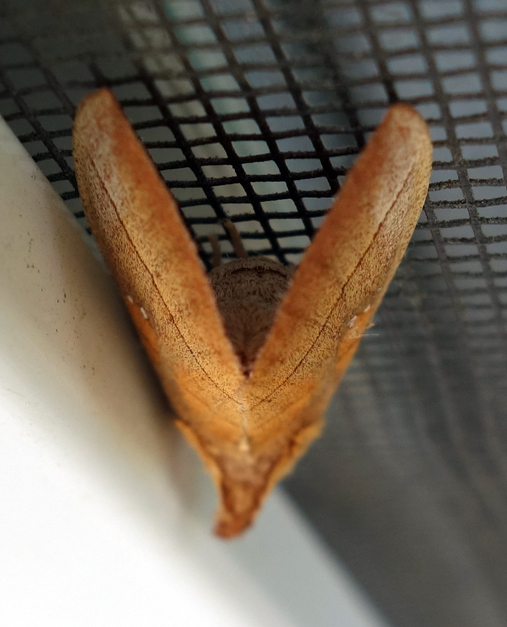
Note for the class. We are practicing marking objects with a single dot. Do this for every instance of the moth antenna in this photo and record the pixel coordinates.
(239, 249)
(216, 253)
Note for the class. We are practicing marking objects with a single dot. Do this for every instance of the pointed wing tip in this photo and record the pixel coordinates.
(404, 113)
(404, 116)
(96, 105)
(100, 96)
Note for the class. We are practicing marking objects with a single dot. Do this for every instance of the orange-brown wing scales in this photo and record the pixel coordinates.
(348, 265)
(249, 429)
(145, 243)
(340, 283)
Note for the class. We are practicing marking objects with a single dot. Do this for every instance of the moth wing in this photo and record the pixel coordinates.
(341, 280)
(137, 225)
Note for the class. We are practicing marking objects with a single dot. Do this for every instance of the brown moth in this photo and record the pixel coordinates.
(251, 354)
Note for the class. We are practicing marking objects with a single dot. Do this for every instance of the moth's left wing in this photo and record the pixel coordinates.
(137, 224)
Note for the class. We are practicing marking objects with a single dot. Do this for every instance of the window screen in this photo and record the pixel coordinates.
(254, 110)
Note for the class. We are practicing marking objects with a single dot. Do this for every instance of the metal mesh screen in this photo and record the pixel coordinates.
(254, 110)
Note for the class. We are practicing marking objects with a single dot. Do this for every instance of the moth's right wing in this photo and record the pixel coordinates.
(343, 275)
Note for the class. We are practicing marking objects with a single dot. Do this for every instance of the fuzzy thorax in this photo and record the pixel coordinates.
(248, 293)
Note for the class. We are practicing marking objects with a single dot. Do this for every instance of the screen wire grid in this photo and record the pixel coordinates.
(254, 110)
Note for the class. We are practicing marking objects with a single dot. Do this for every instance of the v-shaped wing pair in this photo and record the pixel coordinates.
(249, 422)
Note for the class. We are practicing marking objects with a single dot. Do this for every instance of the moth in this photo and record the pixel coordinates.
(250, 354)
